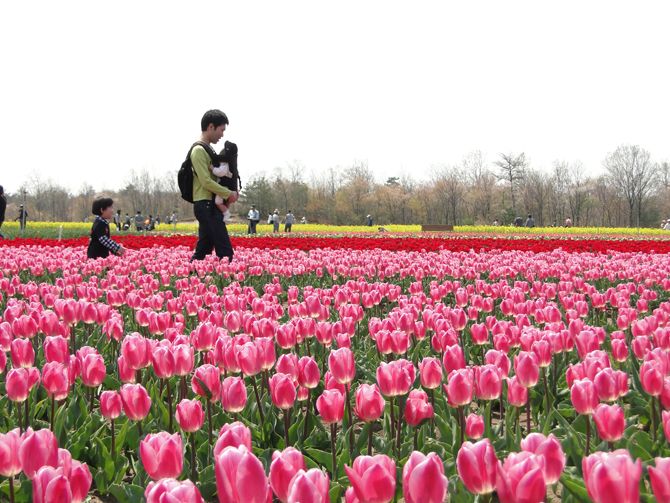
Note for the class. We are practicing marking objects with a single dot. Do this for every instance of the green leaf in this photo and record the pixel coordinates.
(127, 493)
(575, 487)
(324, 459)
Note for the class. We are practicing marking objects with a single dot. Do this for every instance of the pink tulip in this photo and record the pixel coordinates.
(240, 477)
(610, 422)
(369, 403)
(38, 448)
(651, 377)
(330, 405)
(310, 486)
(521, 479)
(284, 466)
(233, 394)
(583, 396)
(136, 401)
(162, 455)
(288, 364)
(488, 382)
(474, 426)
(55, 380)
(342, 365)
(430, 373)
(395, 378)
(282, 391)
(183, 359)
(162, 359)
(453, 358)
(249, 359)
(126, 374)
(93, 370)
(659, 476)
(234, 434)
(172, 491)
(50, 485)
(10, 464)
(550, 450)
(23, 354)
(372, 478)
(56, 349)
(666, 424)
(190, 415)
(619, 350)
(423, 479)
(136, 351)
(206, 382)
(499, 359)
(526, 369)
(477, 466)
(110, 404)
(417, 408)
(612, 473)
(460, 387)
(19, 383)
(308, 372)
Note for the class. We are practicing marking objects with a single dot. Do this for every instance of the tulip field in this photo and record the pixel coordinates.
(358, 368)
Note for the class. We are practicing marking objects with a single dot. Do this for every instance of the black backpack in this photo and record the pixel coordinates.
(185, 173)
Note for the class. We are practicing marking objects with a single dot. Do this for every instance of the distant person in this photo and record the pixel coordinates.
(288, 221)
(173, 220)
(139, 221)
(225, 167)
(568, 222)
(530, 221)
(275, 221)
(212, 231)
(158, 220)
(126, 222)
(496, 223)
(517, 222)
(254, 217)
(22, 218)
(667, 225)
(117, 220)
(303, 220)
(101, 244)
(3, 209)
(368, 220)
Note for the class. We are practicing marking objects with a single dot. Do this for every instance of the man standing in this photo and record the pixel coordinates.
(3, 208)
(253, 216)
(275, 221)
(212, 231)
(288, 221)
(117, 220)
(23, 216)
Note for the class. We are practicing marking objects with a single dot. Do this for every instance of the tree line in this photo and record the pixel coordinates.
(632, 190)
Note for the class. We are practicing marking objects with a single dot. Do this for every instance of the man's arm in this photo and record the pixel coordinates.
(201, 162)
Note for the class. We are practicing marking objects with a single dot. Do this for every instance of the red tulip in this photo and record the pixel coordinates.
(136, 401)
(310, 486)
(330, 406)
(423, 479)
(550, 450)
(55, 380)
(610, 422)
(583, 396)
(23, 354)
(430, 373)
(240, 477)
(308, 372)
(477, 466)
(474, 426)
(233, 394)
(521, 479)
(162, 455)
(342, 365)
(372, 478)
(369, 403)
(172, 491)
(284, 466)
(190, 415)
(282, 391)
(417, 408)
(608, 474)
(659, 476)
(10, 464)
(234, 434)
(38, 448)
(526, 369)
(50, 485)
(460, 387)
(206, 382)
(110, 404)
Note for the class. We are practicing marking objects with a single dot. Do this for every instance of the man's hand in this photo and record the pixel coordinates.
(121, 251)
(234, 196)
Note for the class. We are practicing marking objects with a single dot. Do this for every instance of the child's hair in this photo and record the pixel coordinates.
(99, 205)
(215, 117)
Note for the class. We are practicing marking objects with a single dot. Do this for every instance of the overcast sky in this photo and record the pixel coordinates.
(92, 90)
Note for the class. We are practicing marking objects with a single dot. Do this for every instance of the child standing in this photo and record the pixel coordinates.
(101, 244)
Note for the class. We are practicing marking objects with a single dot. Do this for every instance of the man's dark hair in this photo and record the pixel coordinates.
(99, 205)
(215, 117)
(2, 190)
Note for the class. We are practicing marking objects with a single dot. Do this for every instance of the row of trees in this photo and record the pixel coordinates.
(632, 190)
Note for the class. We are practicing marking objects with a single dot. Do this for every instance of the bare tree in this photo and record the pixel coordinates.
(631, 171)
(512, 170)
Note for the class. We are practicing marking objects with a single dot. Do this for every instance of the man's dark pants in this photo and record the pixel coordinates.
(212, 232)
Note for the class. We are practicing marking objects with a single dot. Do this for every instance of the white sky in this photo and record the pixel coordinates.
(91, 90)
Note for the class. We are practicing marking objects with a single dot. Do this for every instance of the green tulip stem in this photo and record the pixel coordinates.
(113, 442)
(169, 401)
(209, 422)
(287, 424)
(370, 440)
(193, 471)
(53, 412)
(306, 420)
(392, 419)
(333, 448)
(588, 435)
(350, 421)
(528, 413)
(258, 399)
(18, 411)
(27, 414)
(11, 489)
